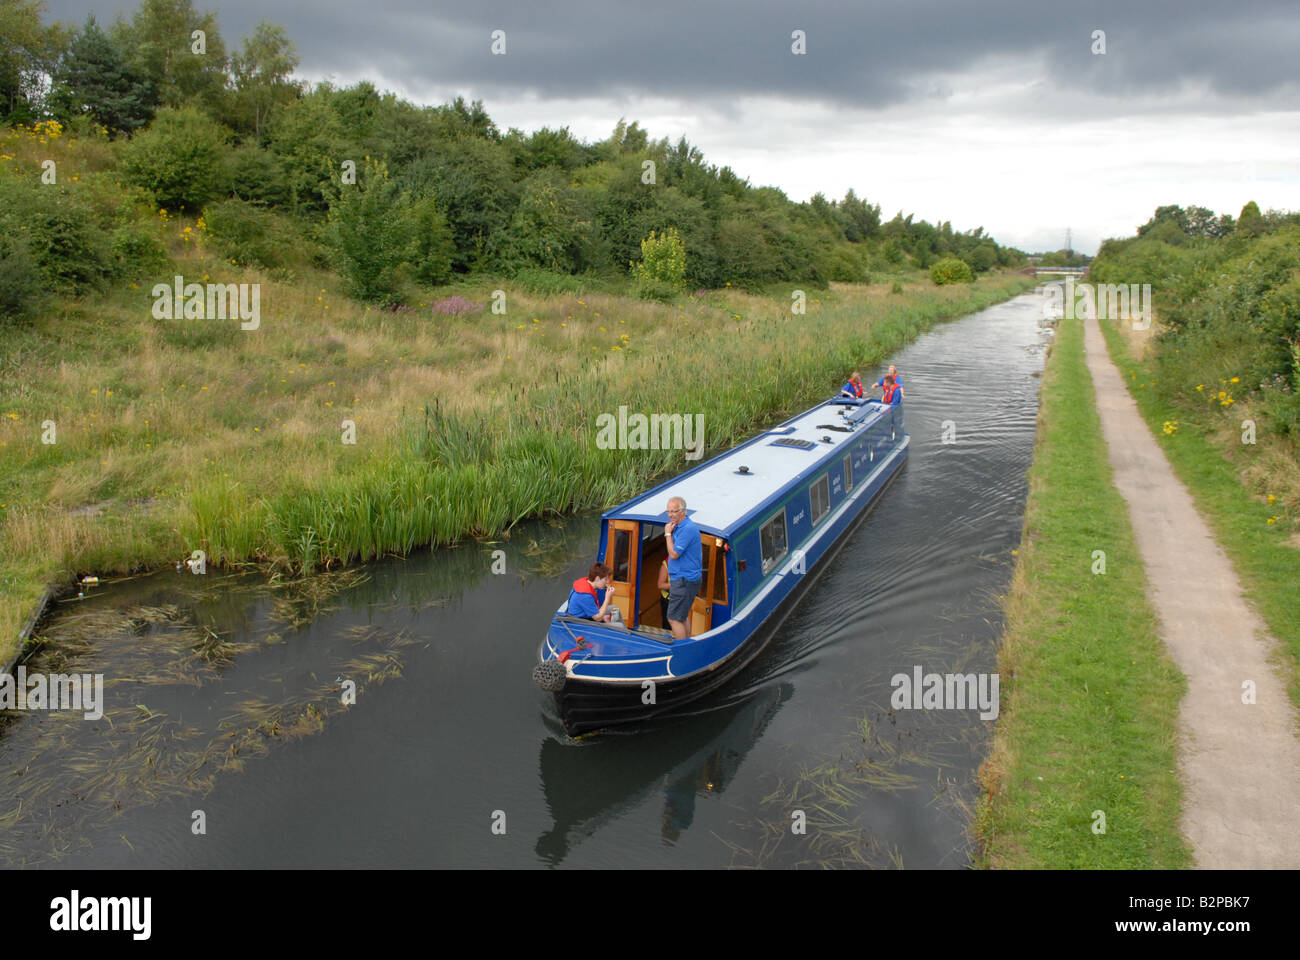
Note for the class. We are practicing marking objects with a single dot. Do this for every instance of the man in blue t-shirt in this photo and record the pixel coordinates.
(685, 567)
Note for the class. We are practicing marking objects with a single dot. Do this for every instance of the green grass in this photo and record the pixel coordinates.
(1089, 696)
(464, 426)
(1199, 449)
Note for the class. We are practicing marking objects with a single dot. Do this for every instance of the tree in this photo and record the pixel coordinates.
(549, 228)
(1201, 222)
(1171, 213)
(983, 257)
(472, 177)
(547, 148)
(261, 71)
(311, 144)
(861, 219)
(1193, 222)
(1251, 222)
(164, 50)
(28, 51)
(92, 79)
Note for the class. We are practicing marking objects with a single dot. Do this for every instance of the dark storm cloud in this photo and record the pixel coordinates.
(870, 56)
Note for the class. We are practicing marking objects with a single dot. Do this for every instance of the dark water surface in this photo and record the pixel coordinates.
(223, 692)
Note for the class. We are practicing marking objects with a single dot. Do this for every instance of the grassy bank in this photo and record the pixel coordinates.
(175, 435)
(1089, 697)
(1248, 492)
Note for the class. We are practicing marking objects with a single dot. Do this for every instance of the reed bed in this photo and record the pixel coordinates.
(464, 426)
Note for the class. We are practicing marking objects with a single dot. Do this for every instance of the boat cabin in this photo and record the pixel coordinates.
(753, 504)
(634, 550)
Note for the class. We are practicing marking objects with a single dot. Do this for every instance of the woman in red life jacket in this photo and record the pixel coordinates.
(853, 388)
(893, 372)
(585, 597)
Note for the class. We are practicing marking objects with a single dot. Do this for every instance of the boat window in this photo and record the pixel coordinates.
(820, 494)
(621, 549)
(848, 473)
(772, 538)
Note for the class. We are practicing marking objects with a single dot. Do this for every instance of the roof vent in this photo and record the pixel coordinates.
(744, 471)
(826, 438)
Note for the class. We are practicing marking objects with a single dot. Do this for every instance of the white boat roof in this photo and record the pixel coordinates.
(718, 498)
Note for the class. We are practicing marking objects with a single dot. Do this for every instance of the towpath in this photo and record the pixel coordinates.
(1239, 763)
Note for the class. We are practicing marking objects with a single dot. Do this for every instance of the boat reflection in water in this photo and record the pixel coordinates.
(588, 784)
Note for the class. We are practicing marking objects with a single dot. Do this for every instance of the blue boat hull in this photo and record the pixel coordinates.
(613, 689)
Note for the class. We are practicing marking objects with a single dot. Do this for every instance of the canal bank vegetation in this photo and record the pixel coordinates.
(183, 435)
(1082, 769)
(1217, 378)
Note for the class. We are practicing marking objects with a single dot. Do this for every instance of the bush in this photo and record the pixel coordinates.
(662, 266)
(951, 270)
(432, 243)
(370, 235)
(20, 281)
(548, 282)
(250, 235)
(647, 289)
(59, 230)
(257, 176)
(181, 159)
(137, 251)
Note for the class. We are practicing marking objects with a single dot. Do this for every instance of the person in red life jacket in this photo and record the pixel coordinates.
(853, 388)
(592, 598)
(893, 391)
(893, 372)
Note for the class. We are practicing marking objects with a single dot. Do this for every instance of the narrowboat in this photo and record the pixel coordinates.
(771, 512)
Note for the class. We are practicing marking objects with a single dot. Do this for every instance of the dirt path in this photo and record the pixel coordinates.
(1239, 763)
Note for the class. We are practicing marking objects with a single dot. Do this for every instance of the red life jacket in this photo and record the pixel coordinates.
(583, 585)
(890, 390)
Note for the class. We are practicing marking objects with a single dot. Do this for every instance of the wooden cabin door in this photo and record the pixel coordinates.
(713, 585)
(621, 558)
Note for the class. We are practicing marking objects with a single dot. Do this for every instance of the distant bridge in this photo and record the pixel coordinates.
(1059, 271)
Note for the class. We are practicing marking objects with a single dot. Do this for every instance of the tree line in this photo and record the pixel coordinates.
(384, 190)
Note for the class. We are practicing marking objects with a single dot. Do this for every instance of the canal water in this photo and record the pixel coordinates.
(226, 740)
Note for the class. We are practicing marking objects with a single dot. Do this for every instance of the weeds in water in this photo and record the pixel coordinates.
(169, 728)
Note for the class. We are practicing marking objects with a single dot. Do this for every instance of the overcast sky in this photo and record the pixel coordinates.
(992, 113)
